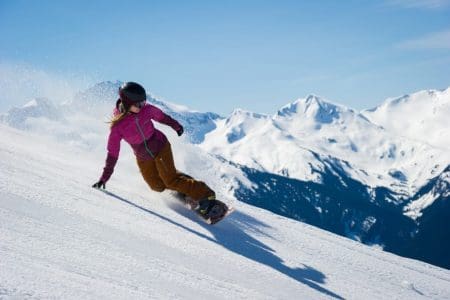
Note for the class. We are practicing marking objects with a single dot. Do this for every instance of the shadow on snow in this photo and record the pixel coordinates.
(231, 234)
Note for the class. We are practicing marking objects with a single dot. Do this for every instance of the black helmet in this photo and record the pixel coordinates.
(131, 92)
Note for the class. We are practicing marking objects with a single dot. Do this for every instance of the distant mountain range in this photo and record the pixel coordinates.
(380, 176)
(37, 108)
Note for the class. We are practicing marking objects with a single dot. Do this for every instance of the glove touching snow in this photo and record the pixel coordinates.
(99, 184)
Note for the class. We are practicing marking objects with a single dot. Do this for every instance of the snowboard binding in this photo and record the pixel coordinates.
(212, 210)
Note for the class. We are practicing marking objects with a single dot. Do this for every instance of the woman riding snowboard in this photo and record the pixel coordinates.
(132, 121)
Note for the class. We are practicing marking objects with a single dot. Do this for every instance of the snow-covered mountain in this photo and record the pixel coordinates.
(283, 144)
(62, 239)
(422, 116)
(313, 160)
(101, 94)
(38, 108)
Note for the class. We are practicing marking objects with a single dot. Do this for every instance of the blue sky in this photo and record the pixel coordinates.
(220, 55)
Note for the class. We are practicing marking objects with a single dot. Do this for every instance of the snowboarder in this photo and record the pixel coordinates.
(132, 121)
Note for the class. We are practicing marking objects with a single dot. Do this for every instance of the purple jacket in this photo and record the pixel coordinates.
(138, 131)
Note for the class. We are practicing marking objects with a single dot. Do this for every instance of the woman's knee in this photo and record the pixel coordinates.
(157, 188)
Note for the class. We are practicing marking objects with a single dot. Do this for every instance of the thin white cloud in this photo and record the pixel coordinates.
(436, 40)
(423, 4)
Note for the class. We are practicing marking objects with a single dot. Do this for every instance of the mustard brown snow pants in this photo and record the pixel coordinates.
(160, 174)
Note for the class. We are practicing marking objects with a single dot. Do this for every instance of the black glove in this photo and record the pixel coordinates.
(180, 131)
(99, 184)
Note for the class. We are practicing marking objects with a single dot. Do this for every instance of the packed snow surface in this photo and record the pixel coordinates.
(62, 239)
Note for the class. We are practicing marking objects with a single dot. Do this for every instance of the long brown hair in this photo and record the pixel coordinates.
(119, 117)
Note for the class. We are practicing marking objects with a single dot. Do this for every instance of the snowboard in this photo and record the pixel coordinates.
(209, 211)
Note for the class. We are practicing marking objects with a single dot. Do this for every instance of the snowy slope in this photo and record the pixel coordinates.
(62, 239)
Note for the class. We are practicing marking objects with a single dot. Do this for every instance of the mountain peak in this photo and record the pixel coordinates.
(35, 102)
(313, 107)
(102, 92)
(313, 98)
(422, 115)
(36, 108)
(240, 115)
(413, 99)
(242, 112)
